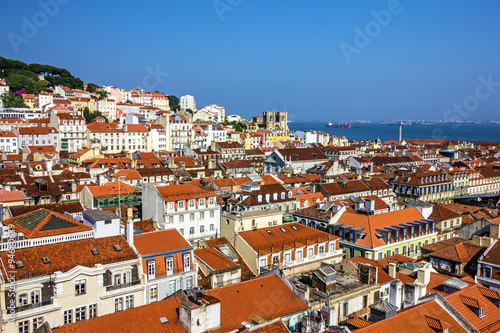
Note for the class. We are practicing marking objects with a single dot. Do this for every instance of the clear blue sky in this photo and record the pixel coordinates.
(251, 56)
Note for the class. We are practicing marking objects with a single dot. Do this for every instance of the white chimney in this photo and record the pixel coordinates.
(424, 274)
(392, 270)
(130, 232)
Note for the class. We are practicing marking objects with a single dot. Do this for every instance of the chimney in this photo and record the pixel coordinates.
(199, 313)
(130, 212)
(424, 274)
(392, 270)
(130, 232)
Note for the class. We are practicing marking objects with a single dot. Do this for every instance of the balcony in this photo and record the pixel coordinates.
(32, 306)
(123, 285)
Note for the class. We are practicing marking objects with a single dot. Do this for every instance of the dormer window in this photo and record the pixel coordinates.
(487, 272)
(170, 266)
(481, 312)
(151, 269)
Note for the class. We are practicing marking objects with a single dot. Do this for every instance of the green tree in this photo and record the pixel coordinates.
(173, 102)
(92, 87)
(12, 101)
(21, 82)
(102, 95)
(189, 110)
(90, 116)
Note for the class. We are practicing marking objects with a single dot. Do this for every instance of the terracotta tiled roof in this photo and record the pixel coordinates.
(441, 212)
(182, 192)
(468, 298)
(80, 251)
(111, 189)
(294, 235)
(237, 303)
(415, 319)
(11, 196)
(371, 222)
(160, 241)
(61, 208)
(359, 322)
(128, 174)
(214, 259)
(43, 223)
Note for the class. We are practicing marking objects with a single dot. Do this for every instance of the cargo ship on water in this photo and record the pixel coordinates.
(339, 125)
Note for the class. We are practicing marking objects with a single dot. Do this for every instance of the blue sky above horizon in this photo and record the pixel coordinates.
(252, 56)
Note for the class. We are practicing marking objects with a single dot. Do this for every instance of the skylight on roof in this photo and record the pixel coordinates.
(94, 251)
(294, 227)
(46, 260)
(19, 264)
(269, 232)
(117, 247)
(283, 229)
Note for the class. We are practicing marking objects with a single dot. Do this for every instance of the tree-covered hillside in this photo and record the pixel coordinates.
(21, 76)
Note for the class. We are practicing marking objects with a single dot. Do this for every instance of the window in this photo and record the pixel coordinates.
(170, 265)
(68, 317)
(80, 287)
(191, 230)
(129, 301)
(321, 249)
(345, 309)
(35, 297)
(299, 254)
(171, 287)
(187, 261)
(24, 326)
(287, 257)
(189, 282)
(93, 310)
(117, 279)
(365, 301)
(212, 227)
(180, 204)
(80, 314)
(201, 202)
(351, 252)
(37, 322)
(202, 228)
(211, 201)
(170, 205)
(380, 254)
(445, 224)
(153, 293)
(181, 231)
(212, 213)
(396, 250)
(181, 218)
(332, 247)
(202, 215)
(23, 299)
(191, 203)
(170, 219)
(487, 272)
(263, 262)
(151, 269)
(126, 278)
(388, 253)
(118, 304)
(191, 217)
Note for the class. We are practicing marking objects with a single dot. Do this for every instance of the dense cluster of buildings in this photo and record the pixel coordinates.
(159, 220)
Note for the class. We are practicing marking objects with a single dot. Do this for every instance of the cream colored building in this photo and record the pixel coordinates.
(233, 223)
(47, 283)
